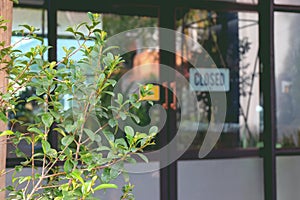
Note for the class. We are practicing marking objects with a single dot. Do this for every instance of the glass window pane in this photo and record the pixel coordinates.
(32, 17)
(230, 40)
(25, 111)
(66, 19)
(146, 184)
(221, 179)
(288, 2)
(111, 23)
(288, 177)
(287, 78)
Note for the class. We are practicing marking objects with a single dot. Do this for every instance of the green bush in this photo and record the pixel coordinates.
(89, 155)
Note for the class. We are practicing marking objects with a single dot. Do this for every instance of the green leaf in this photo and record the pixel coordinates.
(19, 153)
(106, 186)
(135, 117)
(67, 140)
(3, 117)
(112, 82)
(68, 166)
(77, 175)
(62, 157)
(142, 91)
(90, 134)
(137, 105)
(47, 119)
(121, 142)
(86, 187)
(101, 78)
(35, 130)
(143, 157)
(29, 28)
(87, 158)
(114, 173)
(70, 29)
(24, 179)
(131, 160)
(60, 131)
(52, 64)
(79, 35)
(109, 93)
(103, 148)
(18, 168)
(46, 146)
(9, 188)
(120, 98)
(90, 16)
(55, 114)
(35, 98)
(69, 128)
(15, 1)
(141, 136)
(98, 138)
(40, 91)
(111, 56)
(123, 115)
(7, 132)
(109, 136)
(52, 153)
(112, 122)
(153, 129)
(129, 131)
(6, 96)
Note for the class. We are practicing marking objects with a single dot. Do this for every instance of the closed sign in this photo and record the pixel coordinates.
(209, 79)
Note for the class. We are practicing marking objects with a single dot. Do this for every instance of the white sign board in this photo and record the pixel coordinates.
(209, 79)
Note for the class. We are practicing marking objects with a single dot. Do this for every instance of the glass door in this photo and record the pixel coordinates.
(216, 98)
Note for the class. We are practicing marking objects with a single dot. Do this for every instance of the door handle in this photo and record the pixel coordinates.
(165, 105)
(173, 105)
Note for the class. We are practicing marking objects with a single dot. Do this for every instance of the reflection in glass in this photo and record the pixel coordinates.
(287, 47)
(231, 40)
(114, 24)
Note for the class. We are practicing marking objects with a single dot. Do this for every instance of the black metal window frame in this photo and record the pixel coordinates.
(265, 10)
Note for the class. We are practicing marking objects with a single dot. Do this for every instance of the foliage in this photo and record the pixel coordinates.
(90, 154)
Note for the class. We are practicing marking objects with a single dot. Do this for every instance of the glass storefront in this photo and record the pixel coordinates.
(219, 67)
